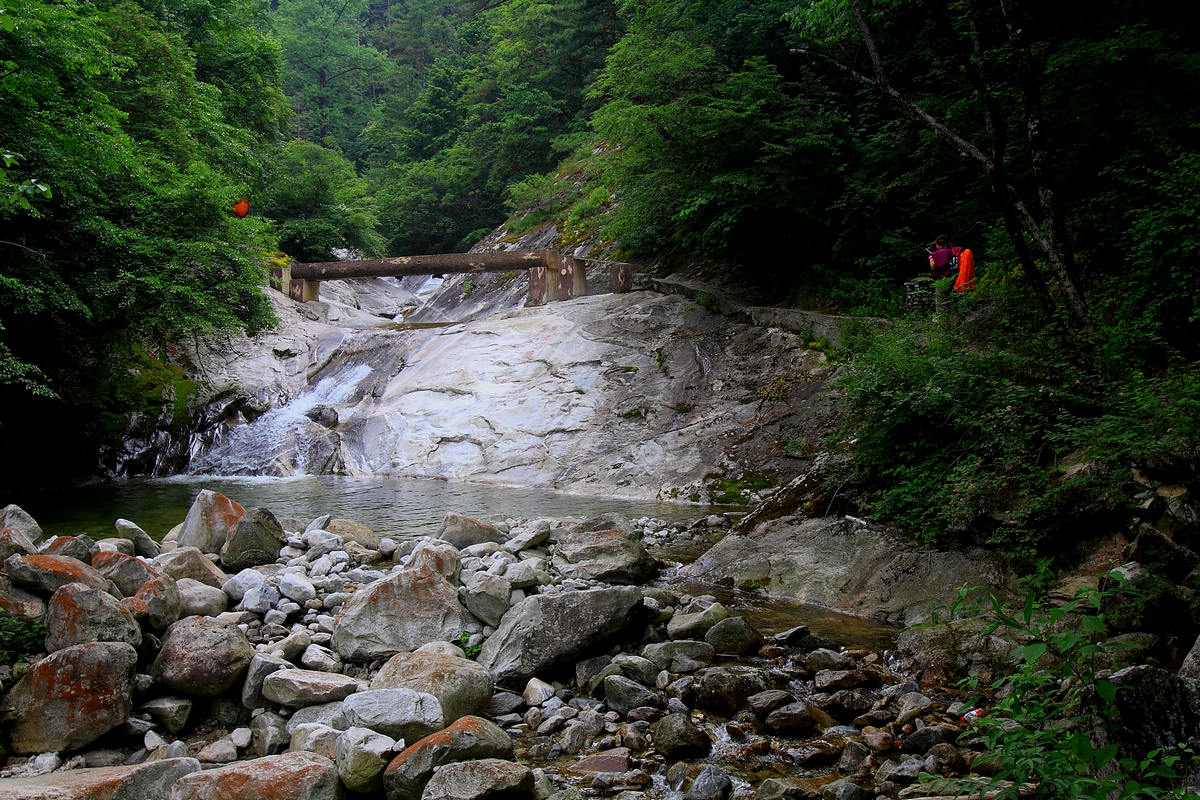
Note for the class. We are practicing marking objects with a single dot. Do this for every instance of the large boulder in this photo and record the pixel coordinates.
(16, 602)
(143, 545)
(441, 557)
(44, 574)
(150, 780)
(463, 531)
(545, 629)
(13, 541)
(613, 555)
(190, 562)
(157, 603)
(361, 755)
(127, 572)
(72, 697)
(488, 597)
(298, 688)
(202, 656)
(725, 689)
(78, 547)
(399, 713)
(677, 737)
(353, 531)
(200, 599)
(289, 776)
(846, 564)
(15, 518)
(460, 685)
(485, 779)
(467, 738)
(209, 521)
(79, 614)
(398, 614)
(1153, 710)
(256, 538)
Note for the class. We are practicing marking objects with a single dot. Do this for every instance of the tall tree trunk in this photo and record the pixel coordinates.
(1057, 243)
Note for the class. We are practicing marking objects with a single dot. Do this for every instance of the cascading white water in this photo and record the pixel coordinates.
(285, 441)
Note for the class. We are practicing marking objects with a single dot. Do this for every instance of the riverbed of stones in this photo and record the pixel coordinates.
(253, 657)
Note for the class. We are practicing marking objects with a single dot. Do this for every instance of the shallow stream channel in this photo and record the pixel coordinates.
(409, 508)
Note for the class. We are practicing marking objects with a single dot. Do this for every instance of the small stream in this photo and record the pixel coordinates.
(402, 508)
(409, 508)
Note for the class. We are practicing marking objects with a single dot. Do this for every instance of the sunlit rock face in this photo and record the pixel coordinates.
(638, 395)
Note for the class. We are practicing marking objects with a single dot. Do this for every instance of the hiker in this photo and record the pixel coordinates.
(950, 266)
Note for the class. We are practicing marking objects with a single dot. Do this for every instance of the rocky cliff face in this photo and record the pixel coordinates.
(642, 395)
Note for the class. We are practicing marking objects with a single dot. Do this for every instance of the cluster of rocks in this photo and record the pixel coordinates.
(262, 658)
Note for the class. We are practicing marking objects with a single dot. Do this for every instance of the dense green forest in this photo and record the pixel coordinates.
(811, 147)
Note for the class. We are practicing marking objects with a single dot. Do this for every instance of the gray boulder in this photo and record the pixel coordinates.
(399, 713)
(17, 602)
(623, 695)
(72, 697)
(15, 518)
(143, 545)
(734, 635)
(725, 689)
(150, 780)
(488, 597)
(297, 688)
(190, 562)
(200, 599)
(847, 564)
(209, 521)
(156, 603)
(440, 556)
(680, 655)
(12, 541)
(545, 629)
(361, 756)
(460, 685)
(477, 780)
(612, 555)
(677, 737)
(202, 656)
(288, 776)
(466, 739)
(78, 614)
(696, 625)
(256, 538)
(398, 614)
(44, 574)
(462, 531)
(262, 665)
(127, 572)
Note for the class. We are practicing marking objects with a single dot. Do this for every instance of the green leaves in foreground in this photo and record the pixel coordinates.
(1044, 717)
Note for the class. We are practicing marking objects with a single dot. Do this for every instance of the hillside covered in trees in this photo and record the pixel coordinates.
(812, 148)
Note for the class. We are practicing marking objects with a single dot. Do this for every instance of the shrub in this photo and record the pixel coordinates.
(1037, 731)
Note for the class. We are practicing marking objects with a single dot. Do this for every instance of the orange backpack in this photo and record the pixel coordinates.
(966, 271)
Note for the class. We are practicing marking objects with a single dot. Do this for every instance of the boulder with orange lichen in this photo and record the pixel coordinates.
(72, 697)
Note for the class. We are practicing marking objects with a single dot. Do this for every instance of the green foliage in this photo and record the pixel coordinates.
(736, 491)
(501, 101)
(331, 74)
(134, 244)
(1037, 730)
(320, 204)
(470, 650)
(20, 637)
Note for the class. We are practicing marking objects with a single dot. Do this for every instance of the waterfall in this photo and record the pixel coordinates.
(285, 440)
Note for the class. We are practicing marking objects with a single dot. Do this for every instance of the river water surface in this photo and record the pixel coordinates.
(402, 508)
(409, 508)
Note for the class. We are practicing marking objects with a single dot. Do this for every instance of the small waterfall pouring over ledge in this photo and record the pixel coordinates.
(290, 439)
